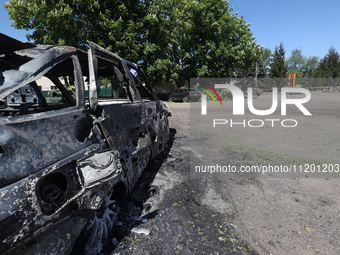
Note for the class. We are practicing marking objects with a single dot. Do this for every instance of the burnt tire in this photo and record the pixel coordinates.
(97, 233)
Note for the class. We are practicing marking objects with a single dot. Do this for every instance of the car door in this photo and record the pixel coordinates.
(123, 121)
(156, 114)
(178, 95)
(57, 130)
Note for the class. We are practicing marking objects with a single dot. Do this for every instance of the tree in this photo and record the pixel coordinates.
(296, 61)
(115, 25)
(251, 77)
(330, 64)
(303, 67)
(310, 66)
(278, 67)
(320, 74)
(256, 70)
(172, 40)
(320, 79)
(265, 57)
(198, 39)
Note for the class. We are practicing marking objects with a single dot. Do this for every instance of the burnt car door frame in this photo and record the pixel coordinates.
(123, 124)
(136, 128)
(65, 125)
(46, 145)
(156, 115)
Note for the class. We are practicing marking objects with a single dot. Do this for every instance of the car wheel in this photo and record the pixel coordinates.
(185, 99)
(171, 99)
(96, 233)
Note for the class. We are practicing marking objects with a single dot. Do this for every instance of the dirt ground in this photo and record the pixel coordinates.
(250, 215)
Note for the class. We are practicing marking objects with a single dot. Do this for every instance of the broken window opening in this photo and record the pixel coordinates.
(114, 87)
(142, 84)
(55, 90)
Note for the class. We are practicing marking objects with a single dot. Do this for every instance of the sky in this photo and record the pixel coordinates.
(309, 25)
(6, 28)
(313, 26)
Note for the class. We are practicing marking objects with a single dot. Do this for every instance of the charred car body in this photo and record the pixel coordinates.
(65, 160)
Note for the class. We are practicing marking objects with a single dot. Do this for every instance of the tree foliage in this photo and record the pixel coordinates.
(173, 40)
(330, 64)
(257, 70)
(198, 39)
(304, 67)
(296, 61)
(265, 58)
(113, 24)
(310, 66)
(278, 66)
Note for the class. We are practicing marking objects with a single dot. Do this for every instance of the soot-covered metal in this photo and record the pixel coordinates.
(66, 152)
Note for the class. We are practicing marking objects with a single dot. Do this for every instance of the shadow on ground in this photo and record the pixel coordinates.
(130, 217)
(185, 216)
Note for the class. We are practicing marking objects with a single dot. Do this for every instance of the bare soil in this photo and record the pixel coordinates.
(269, 215)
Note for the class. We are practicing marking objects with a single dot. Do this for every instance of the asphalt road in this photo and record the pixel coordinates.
(185, 215)
(238, 215)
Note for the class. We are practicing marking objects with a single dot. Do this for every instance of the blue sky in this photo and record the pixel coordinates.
(6, 28)
(311, 25)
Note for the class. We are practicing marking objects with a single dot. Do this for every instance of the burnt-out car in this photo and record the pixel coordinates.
(67, 158)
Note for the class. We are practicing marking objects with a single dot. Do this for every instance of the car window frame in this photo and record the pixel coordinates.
(78, 82)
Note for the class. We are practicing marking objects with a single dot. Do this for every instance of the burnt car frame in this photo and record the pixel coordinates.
(64, 163)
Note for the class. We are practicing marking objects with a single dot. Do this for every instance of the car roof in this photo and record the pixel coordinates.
(20, 61)
(9, 44)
